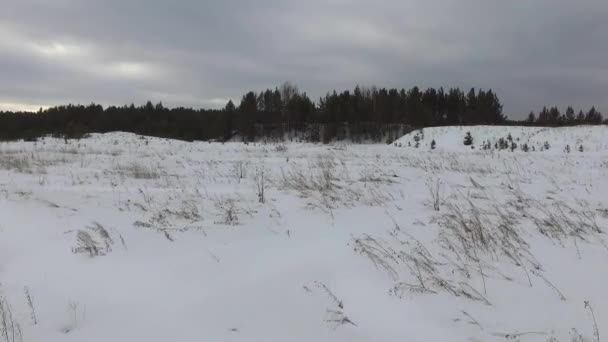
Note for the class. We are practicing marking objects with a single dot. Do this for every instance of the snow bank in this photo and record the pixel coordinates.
(451, 138)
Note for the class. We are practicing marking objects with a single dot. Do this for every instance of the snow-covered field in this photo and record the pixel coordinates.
(537, 139)
(125, 238)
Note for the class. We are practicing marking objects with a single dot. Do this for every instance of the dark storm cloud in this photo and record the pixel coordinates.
(200, 53)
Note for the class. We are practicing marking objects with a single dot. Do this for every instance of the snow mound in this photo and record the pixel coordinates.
(451, 138)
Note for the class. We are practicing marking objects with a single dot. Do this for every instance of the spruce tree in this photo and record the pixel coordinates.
(468, 139)
(570, 118)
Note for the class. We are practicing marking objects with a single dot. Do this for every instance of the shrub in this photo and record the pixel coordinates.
(502, 144)
(280, 148)
(468, 139)
(138, 171)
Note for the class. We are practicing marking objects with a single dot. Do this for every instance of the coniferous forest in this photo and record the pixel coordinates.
(362, 114)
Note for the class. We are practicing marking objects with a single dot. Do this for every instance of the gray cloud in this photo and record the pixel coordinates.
(201, 53)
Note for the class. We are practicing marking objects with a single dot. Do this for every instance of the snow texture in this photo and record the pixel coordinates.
(119, 237)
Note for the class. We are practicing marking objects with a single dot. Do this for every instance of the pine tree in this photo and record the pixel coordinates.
(228, 121)
(580, 118)
(554, 116)
(468, 139)
(230, 107)
(471, 113)
(543, 116)
(417, 138)
(593, 117)
(570, 118)
(503, 144)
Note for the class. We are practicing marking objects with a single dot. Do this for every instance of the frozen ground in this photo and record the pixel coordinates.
(549, 140)
(125, 238)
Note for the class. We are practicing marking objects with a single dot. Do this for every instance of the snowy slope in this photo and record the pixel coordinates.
(125, 238)
(592, 138)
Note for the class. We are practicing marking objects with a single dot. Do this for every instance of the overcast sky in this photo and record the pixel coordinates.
(202, 53)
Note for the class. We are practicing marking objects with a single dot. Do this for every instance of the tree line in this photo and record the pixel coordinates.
(553, 117)
(361, 114)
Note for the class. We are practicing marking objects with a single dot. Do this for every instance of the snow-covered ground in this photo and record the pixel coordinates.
(537, 139)
(125, 238)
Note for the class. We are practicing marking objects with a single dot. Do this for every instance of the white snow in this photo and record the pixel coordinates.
(592, 138)
(347, 245)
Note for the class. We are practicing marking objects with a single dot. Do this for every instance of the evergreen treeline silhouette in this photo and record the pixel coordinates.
(553, 117)
(370, 114)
